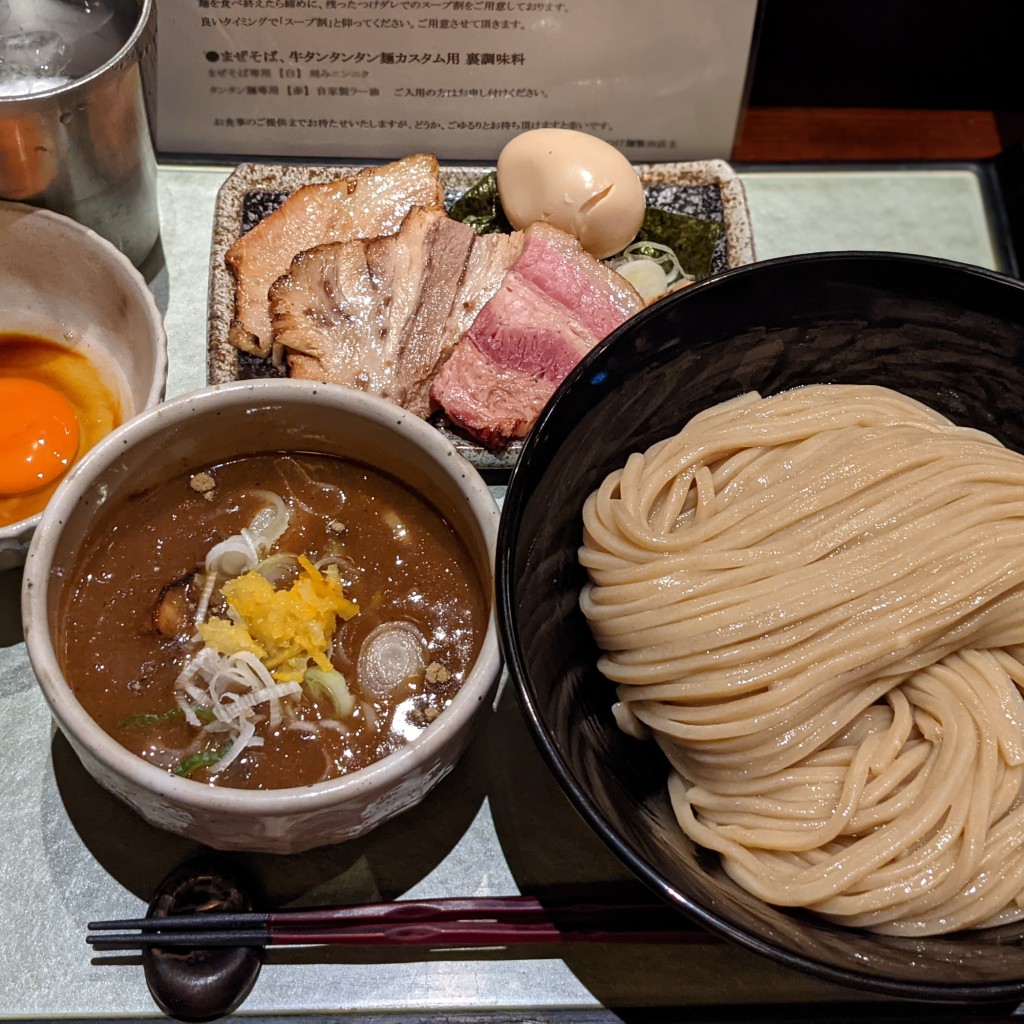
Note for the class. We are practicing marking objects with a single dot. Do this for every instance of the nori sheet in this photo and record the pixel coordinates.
(693, 239)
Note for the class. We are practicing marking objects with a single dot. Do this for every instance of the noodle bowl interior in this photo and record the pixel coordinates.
(814, 604)
(271, 621)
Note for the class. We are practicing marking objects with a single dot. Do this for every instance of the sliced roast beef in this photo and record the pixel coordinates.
(493, 403)
(380, 315)
(364, 205)
(555, 303)
(521, 328)
(560, 267)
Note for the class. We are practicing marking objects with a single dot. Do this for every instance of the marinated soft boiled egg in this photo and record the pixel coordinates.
(38, 435)
(575, 182)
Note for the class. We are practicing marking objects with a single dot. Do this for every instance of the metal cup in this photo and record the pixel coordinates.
(84, 149)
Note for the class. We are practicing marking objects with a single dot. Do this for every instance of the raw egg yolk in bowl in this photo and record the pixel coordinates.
(38, 437)
(54, 406)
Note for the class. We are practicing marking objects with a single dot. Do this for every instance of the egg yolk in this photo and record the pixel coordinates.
(38, 435)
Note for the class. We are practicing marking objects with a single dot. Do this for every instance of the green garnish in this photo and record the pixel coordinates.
(158, 718)
(332, 685)
(203, 759)
(690, 238)
(480, 207)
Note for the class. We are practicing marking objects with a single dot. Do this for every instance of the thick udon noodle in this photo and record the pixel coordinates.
(813, 603)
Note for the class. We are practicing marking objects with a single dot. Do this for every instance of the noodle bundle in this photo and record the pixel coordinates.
(814, 603)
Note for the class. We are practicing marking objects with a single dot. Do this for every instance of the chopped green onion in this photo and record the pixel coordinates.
(158, 718)
(203, 759)
(332, 685)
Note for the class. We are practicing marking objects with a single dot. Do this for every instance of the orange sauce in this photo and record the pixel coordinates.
(95, 402)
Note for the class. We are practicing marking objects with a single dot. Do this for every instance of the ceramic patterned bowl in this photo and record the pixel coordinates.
(63, 282)
(211, 426)
(948, 335)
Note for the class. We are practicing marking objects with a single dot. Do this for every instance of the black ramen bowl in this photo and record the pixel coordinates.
(949, 335)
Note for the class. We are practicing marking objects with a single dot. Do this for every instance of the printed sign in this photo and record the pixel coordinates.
(660, 79)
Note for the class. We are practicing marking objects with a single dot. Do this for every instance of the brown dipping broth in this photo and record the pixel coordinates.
(120, 666)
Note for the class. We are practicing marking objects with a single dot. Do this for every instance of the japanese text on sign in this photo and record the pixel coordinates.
(662, 79)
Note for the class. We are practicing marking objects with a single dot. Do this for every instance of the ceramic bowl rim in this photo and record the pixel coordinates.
(516, 498)
(238, 396)
(105, 250)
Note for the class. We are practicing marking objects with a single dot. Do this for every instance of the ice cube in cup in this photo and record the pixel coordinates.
(88, 36)
(71, 18)
(31, 62)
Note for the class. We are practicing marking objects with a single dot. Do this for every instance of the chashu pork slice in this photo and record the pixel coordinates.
(380, 319)
(365, 205)
(555, 303)
(424, 343)
(489, 260)
(414, 319)
(327, 311)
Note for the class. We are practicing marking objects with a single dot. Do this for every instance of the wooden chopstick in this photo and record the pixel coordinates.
(444, 922)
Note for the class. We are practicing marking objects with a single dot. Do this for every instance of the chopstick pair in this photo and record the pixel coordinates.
(463, 922)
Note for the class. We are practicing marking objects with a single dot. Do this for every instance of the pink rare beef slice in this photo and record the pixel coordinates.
(555, 303)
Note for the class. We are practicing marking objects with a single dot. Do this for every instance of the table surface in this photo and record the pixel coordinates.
(497, 825)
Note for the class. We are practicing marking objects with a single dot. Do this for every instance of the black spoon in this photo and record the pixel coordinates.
(195, 985)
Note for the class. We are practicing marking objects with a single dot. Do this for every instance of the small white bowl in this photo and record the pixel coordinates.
(64, 282)
(221, 423)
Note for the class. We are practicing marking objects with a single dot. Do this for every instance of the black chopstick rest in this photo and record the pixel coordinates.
(201, 981)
